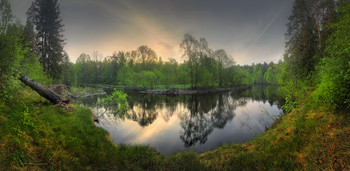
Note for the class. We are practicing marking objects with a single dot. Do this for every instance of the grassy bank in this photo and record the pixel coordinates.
(307, 138)
(37, 135)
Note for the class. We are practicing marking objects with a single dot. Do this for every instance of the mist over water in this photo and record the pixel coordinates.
(193, 122)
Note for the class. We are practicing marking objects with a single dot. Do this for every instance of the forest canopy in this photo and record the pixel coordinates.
(202, 67)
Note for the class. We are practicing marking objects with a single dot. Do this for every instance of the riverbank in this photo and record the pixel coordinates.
(173, 91)
(310, 137)
(177, 92)
(36, 135)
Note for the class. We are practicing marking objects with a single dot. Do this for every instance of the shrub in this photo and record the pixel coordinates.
(334, 87)
(117, 102)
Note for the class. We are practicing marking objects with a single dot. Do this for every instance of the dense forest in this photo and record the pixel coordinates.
(317, 53)
(314, 73)
(202, 67)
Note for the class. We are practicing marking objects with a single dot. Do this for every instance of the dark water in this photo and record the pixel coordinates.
(191, 123)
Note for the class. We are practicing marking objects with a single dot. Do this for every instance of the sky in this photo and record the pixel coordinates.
(250, 31)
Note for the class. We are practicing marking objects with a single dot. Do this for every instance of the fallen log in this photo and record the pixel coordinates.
(43, 91)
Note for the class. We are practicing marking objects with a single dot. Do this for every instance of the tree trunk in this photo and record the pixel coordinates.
(318, 22)
(43, 91)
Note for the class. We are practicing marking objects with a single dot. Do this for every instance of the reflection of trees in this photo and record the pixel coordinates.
(224, 112)
(143, 110)
(88, 100)
(271, 94)
(170, 103)
(200, 115)
(196, 126)
(257, 124)
(205, 114)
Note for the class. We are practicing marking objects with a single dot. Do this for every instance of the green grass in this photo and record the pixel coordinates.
(36, 135)
(305, 139)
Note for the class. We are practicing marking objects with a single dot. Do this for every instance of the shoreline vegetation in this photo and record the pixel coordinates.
(313, 134)
(172, 91)
(50, 137)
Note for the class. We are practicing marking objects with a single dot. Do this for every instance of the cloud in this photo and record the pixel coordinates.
(244, 29)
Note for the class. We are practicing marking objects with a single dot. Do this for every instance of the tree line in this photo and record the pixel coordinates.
(202, 68)
(36, 49)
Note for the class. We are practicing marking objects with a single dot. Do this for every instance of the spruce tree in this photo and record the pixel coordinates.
(306, 35)
(45, 15)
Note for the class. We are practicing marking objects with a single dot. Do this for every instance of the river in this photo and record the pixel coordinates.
(191, 122)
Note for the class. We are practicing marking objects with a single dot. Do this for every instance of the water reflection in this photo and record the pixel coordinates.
(197, 122)
(206, 113)
(143, 110)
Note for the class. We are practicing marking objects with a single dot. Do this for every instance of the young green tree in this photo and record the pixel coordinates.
(146, 55)
(69, 77)
(15, 57)
(10, 52)
(224, 62)
(190, 48)
(85, 69)
(194, 51)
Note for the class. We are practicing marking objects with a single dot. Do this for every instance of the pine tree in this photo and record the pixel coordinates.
(307, 32)
(302, 38)
(45, 15)
(29, 37)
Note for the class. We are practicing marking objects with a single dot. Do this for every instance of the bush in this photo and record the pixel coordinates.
(334, 87)
(117, 102)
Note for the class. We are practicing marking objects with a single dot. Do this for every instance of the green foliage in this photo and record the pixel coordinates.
(86, 90)
(139, 158)
(45, 16)
(258, 76)
(208, 72)
(15, 56)
(84, 69)
(146, 55)
(302, 44)
(303, 139)
(11, 55)
(69, 77)
(184, 161)
(38, 136)
(146, 79)
(31, 67)
(10, 52)
(126, 76)
(334, 72)
(54, 138)
(116, 101)
(289, 104)
(202, 68)
(266, 73)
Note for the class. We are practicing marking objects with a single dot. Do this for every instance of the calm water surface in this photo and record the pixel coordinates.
(190, 123)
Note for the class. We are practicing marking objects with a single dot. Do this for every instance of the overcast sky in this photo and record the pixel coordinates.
(251, 31)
